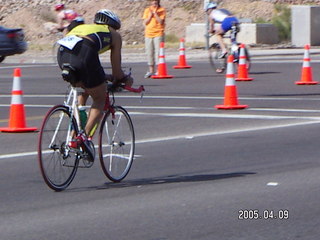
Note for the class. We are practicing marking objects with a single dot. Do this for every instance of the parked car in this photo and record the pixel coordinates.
(12, 41)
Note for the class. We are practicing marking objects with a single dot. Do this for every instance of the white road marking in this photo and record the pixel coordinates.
(179, 137)
(307, 120)
(272, 184)
(217, 115)
(28, 66)
(146, 96)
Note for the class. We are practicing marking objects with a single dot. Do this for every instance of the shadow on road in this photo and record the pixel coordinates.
(163, 180)
(174, 179)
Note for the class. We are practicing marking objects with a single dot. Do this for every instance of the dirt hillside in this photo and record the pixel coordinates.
(33, 15)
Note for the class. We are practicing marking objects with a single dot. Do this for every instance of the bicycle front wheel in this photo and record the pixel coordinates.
(116, 144)
(58, 163)
(218, 64)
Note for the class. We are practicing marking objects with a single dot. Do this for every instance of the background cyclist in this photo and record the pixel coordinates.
(83, 58)
(225, 18)
(65, 16)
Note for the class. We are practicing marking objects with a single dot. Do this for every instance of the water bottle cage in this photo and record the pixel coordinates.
(233, 35)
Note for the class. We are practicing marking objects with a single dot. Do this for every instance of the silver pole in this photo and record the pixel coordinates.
(205, 2)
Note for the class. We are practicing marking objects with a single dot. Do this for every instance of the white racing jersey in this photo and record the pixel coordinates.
(218, 15)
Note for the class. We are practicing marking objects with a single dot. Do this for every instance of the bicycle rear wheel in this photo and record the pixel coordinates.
(116, 144)
(218, 64)
(58, 163)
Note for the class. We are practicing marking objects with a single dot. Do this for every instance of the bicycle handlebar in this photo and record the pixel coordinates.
(135, 90)
(113, 88)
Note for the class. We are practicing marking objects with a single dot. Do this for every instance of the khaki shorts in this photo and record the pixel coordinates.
(152, 46)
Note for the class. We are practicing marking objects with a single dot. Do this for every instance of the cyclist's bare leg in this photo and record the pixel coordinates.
(221, 43)
(82, 98)
(98, 95)
(219, 33)
(151, 69)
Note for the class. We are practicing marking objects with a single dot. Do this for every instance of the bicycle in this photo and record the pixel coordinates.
(214, 50)
(59, 162)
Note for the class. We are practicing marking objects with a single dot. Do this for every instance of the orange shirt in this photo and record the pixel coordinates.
(154, 29)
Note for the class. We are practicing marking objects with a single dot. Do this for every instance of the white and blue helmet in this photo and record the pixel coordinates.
(211, 5)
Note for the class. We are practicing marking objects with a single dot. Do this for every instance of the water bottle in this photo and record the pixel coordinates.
(83, 116)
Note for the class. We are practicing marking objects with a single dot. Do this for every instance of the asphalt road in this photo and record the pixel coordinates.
(199, 173)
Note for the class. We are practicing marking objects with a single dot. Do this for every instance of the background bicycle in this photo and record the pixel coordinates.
(214, 51)
(59, 161)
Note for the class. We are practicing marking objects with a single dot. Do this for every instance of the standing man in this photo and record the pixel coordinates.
(154, 22)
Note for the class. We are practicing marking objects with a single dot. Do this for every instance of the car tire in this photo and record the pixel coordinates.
(2, 58)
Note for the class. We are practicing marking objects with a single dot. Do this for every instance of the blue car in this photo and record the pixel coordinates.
(12, 41)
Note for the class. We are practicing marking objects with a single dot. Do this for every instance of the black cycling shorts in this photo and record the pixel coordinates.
(84, 58)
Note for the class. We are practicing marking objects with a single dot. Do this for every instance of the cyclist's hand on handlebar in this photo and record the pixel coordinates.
(127, 80)
(109, 77)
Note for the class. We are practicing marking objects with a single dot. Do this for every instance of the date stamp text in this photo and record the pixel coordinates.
(254, 214)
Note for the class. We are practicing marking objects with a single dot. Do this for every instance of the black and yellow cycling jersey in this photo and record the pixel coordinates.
(99, 34)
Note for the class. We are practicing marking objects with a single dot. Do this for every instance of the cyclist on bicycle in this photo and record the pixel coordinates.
(77, 21)
(226, 20)
(78, 57)
(65, 17)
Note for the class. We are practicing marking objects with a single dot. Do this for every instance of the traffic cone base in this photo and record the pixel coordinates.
(230, 107)
(161, 76)
(306, 83)
(17, 122)
(181, 67)
(18, 130)
(244, 79)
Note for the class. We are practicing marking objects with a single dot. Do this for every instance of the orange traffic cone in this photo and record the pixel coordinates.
(230, 91)
(242, 67)
(306, 74)
(162, 66)
(17, 121)
(182, 63)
